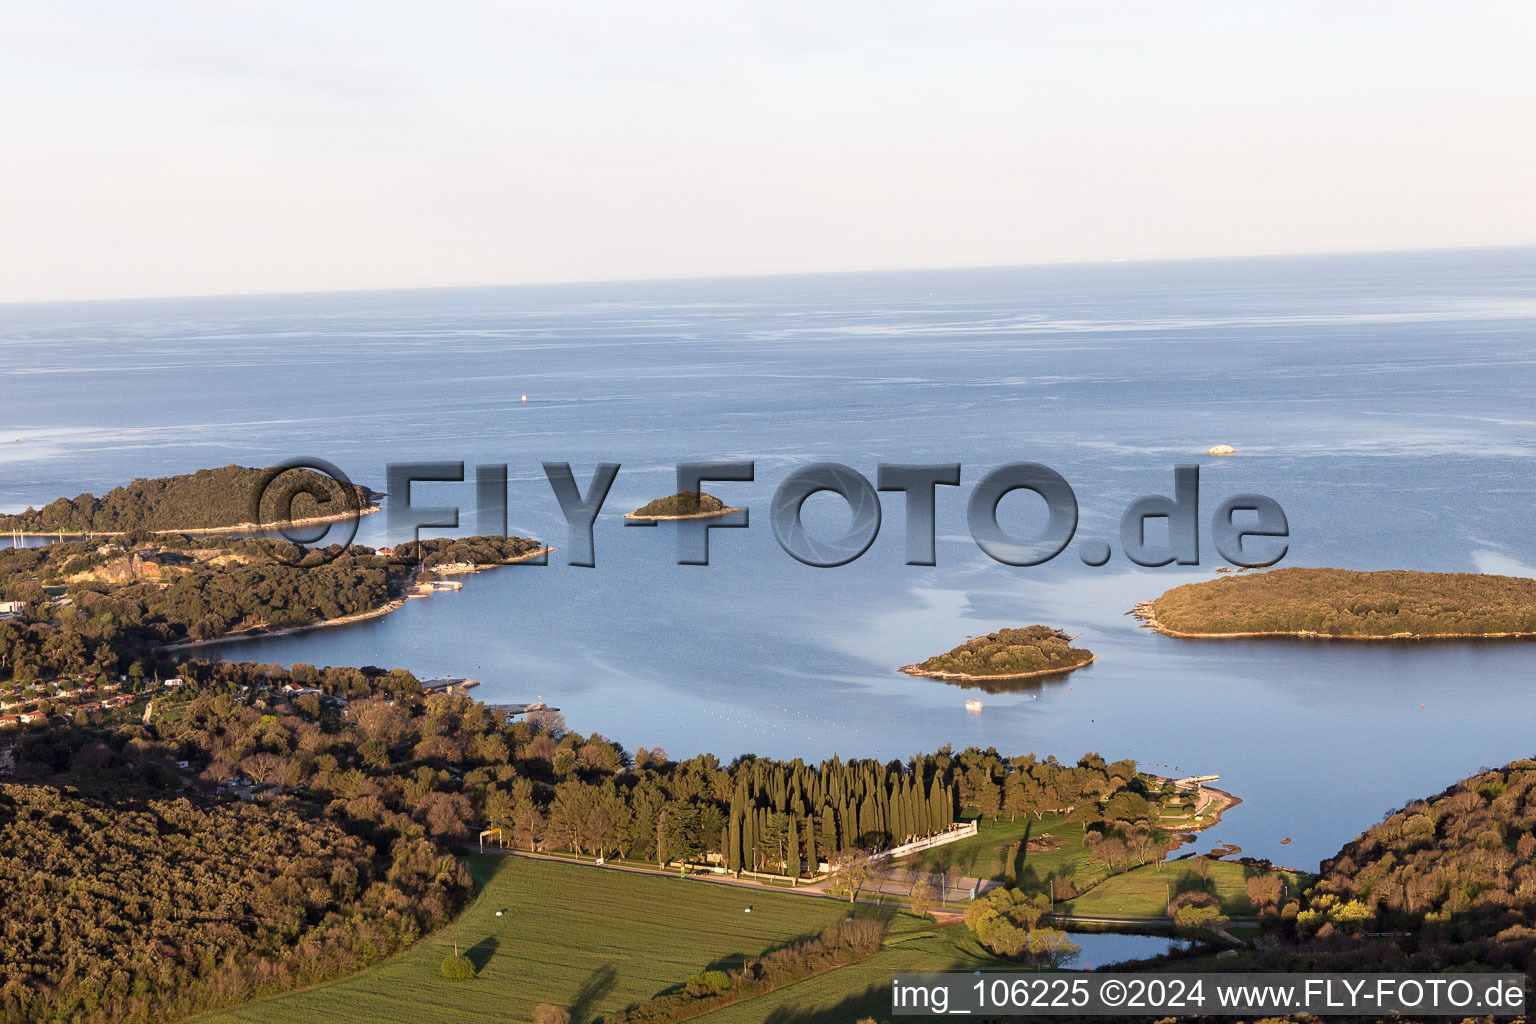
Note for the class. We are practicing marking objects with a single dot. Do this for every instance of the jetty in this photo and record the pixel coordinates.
(447, 685)
(522, 709)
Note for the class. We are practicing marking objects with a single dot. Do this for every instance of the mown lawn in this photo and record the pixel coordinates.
(590, 940)
(863, 989)
(997, 852)
(1144, 891)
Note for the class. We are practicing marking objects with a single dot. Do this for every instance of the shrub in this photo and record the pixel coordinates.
(546, 1013)
(1195, 911)
(457, 968)
(1004, 921)
(707, 984)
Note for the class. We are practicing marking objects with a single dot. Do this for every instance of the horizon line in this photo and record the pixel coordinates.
(684, 278)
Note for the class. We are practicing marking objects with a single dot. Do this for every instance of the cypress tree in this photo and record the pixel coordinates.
(794, 849)
(733, 841)
(828, 834)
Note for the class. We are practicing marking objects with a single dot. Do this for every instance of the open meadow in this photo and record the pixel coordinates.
(589, 940)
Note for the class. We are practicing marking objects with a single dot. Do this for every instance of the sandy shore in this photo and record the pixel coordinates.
(914, 670)
(262, 632)
(204, 531)
(1148, 615)
(697, 515)
(1220, 801)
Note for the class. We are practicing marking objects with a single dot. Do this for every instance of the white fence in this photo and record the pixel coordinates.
(955, 832)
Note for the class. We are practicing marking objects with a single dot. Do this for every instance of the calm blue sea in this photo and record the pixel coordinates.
(1383, 400)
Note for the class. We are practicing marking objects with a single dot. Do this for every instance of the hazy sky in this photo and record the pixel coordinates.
(158, 148)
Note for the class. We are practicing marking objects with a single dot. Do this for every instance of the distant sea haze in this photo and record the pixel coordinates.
(1383, 400)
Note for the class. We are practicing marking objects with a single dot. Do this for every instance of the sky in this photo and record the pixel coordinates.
(206, 147)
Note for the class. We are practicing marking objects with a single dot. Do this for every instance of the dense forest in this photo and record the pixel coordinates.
(360, 762)
(1032, 650)
(156, 909)
(207, 499)
(1447, 881)
(688, 503)
(1344, 603)
(477, 551)
(118, 604)
(123, 598)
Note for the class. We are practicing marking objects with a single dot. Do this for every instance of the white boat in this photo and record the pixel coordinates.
(973, 705)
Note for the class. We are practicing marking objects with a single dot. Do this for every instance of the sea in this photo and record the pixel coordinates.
(1383, 400)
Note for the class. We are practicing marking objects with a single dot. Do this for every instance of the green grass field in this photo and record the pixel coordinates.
(997, 852)
(1144, 891)
(589, 940)
(862, 989)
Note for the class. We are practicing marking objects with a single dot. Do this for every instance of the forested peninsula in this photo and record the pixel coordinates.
(209, 499)
(1007, 654)
(1345, 604)
(98, 605)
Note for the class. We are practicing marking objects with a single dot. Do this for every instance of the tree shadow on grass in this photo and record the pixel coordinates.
(598, 984)
(481, 952)
(728, 962)
(874, 1001)
(1190, 881)
(1021, 855)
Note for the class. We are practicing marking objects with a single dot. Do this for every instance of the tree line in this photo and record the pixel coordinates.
(206, 499)
(1343, 602)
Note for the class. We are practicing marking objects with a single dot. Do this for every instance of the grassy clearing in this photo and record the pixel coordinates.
(1144, 891)
(588, 940)
(997, 852)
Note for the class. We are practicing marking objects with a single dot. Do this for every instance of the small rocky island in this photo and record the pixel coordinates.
(1349, 605)
(1007, 654)
(687, 505)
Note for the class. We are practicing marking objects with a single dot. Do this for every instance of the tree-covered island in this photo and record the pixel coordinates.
(1004, 655)
(1344, 604)
(687, 505)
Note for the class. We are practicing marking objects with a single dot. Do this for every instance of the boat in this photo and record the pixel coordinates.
(525, 396)
(1221, 449)
(973, 705)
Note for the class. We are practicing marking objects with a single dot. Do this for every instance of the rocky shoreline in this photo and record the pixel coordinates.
(263, 633)
(1147, 612)
(917, 670)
